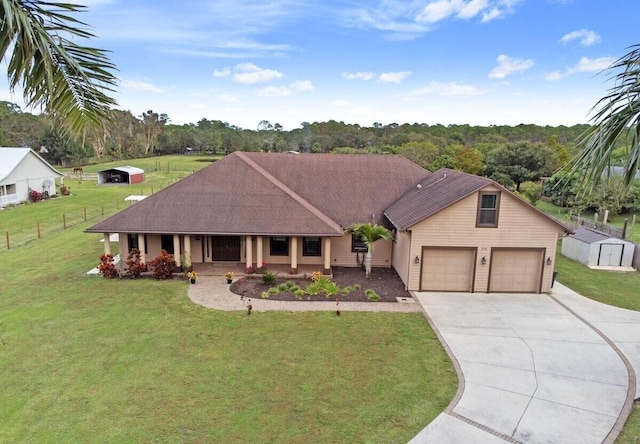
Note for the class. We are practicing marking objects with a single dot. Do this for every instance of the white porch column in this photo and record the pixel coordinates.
(187, 250)
(327, 255)
(294, 254)
(249, 252)
(176, 249)
(259, 256)
(107, 243)
(142, 247)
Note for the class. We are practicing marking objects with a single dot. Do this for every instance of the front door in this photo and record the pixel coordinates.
(226, 248)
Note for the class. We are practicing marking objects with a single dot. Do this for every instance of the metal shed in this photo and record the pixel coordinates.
(597, 249)
(124, 174)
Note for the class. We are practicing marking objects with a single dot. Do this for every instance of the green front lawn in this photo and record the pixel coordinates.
(92, 360)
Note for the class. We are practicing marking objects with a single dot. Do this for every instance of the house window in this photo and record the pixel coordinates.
(311, 246)
(132, 239)
(357, 244)
(279, 246)
(488, 206)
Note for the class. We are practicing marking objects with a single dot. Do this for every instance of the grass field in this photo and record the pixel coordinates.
(92, 360)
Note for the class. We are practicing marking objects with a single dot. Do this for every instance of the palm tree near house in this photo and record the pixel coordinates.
(62, 78)
(616, 118)
(369, 234)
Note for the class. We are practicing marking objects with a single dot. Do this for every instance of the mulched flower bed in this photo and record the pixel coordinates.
(384, 281)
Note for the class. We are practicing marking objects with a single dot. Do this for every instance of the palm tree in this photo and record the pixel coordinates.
(369, 234)
(617, 118)
(65, 80)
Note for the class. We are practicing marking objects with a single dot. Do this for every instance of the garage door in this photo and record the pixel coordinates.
(516, 270)
(447, 269)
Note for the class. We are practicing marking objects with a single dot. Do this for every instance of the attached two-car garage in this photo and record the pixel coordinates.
(511, 270)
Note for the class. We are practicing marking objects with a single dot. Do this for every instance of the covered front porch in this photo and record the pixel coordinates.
(247, 254)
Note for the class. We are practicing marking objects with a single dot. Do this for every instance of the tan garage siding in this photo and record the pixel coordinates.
(515, 270)
(342, 256)
(401, 259)
(455, 226)
(447, 269)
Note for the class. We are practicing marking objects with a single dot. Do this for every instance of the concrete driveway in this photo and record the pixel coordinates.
(534, 368)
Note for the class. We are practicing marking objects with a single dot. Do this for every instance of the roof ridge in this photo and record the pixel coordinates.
(295, 196)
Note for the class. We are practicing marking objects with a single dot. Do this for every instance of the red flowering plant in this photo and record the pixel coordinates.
(134, 265)
(162, 266)
(107, 268)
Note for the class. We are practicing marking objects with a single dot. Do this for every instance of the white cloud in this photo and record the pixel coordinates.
(367, 75)
(444, 89)
(275, 91)
(284, 91)
(137, 85)
(394, 77)
(248, 73)
(303, 86)
(225, 72)
(340, 102)
(509, 65)
(488, 10)
(585, 64)
(585, 36)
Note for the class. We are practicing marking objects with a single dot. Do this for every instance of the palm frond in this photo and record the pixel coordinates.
(66, 80)
(616, 118)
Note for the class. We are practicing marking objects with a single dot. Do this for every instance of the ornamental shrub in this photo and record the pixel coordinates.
(134, 265)
(163, 265)
(268, 277)
(35, 196)
(106, 267)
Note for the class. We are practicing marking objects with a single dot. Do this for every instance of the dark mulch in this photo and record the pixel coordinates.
(384, 281)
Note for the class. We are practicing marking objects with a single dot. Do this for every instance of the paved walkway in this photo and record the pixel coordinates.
(534, 368)
(213, 292)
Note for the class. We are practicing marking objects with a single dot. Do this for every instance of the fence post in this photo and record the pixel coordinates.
(64, 221)
(8, 243)
(85, 214)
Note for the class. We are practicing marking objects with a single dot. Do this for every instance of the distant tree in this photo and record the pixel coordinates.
(469, 160)
(421, 153)
(532, 192)
(521, 162)
(152, 126)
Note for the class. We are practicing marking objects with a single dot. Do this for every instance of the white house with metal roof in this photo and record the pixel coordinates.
(22, 169)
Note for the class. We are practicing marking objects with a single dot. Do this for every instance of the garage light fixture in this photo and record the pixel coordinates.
(483, 261)
(549, 261)
(416, 260)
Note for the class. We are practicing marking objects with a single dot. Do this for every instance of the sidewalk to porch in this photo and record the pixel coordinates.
(238, 269)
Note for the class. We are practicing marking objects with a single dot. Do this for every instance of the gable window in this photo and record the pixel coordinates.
(357, 244)
(311, 246)
(279, 246)
(488, 206)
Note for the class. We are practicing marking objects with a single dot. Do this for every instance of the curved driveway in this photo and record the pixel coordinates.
(534, 368)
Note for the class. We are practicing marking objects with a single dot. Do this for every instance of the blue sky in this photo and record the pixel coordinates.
(477, 62)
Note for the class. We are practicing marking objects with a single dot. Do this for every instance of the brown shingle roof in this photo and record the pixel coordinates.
(441, 190)
(270, 193)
